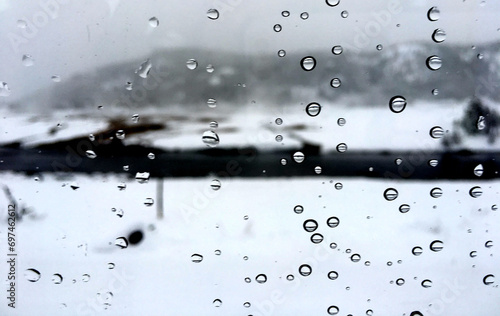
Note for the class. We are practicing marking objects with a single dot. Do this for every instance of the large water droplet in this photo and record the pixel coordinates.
(337, 50)
(439, 35)
(400, 281)
(433, 14)
(57, 278)
(32, 275)
(489, 279)
(285, 14)
(416, 313)
(316, 238)
(313, 109)
(436, 245)
(426, 283)
(475, 192)
(308, 63)
(298, 157)
(333, 222)
(397, 104)
(436, 132)
(417, 251)
(333, 310)
(261, 278)
(333, 275)
(478, 170)
(355, 257)
(121, 242)
(310, 225)
(342, 147)
(304, 15)
(212, 14)
(142, 177)
(4, 89)
(149, 202)
(489, 244)
(341, 121)
(210, 68)
(192, 64)
(436, 192)
(404, 208)
(144, 69)
(390, 194)
(473, 254)
(210, 138)
(434, 62)
(90, 154)
(196, 258)
(277, 27)
(305, 270)
(332, 3)
(154, 22)
(28, 61)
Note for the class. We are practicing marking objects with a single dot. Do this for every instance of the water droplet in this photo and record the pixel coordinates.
(310, 225)
(318, 170)
(380, 47)
(426, 284)
(435, 91)
(397, 104)
(215, 185)
(433, 162)
(91, 154)
(404, 208)
(332, 3)
(212, 103)
(344, 14)
(313, 109)
(355, 257)
(489, 244)
(339, 186)
(417, 251)
(316, 238)
(154, 22)
(142, 177)
(281, 53)
(478, 170)
(290, 277)
(247, 304)
(213, 125)
(248, 280)
(111, 265)
(335, 83)
(22, 24)
(120, 134)
(337, 50)
(436, 245)
(144, 69)
(135, 118)
(210, 138)
(129, 86)
(28, 61)
(192, 64)
(210, 68)
(149, 202)
(400, 281)
(342, 148)
(333, 245)
(261, 278)
(494, 207)
(434, 62)
(369, 312)
(481, 123)
(285, 14)
(85, 278)
(333, 275)
(436, 192)
(4, 89)
(283, 162)
(475, 192)
(489, 279)
(298, 209)
(398, 161)
(305, 270)
(333, 310)
(433, 14)
(439, 35)
(56, 78)
(416, 313)
(121, 242)
(278, 121)
(57, 278)
(333, 222)
(390, 194)
(277, 27)
(279, 138)
(212, 14)
(196, 258)
(480, 56)
(436, 132)
(473, 254)
(217, 252)
(304, 15)
(32, 275)
(298, 157)
(308, 63)
(341, 121)
(217, 302)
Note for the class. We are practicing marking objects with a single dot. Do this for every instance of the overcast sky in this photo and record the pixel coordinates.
(74, 36)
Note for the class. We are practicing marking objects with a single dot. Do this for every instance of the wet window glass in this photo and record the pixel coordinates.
(232, 157)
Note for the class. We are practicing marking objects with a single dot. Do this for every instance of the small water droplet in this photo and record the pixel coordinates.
(217, 252)
(298, 157)
(28, 61)
(298, 209)
(305, 270)
(290, 277)
(426, 283)
(154, 22)
(337, 50)
(433, 14)
(281, 53)
(433, 162)
(285, 14)
(439, 35)
(4, 89)
(380, 47)
(341, 121)
(400, 281)
(436, 245)
(90, 154)
(192, 64)
(120, 134)
(318, 170)
(333, 222)
(475, 192)
(489, 279)
(473, 254)
(310, 225)
(417, 251)
(129, 86)
(32, 275)
(342, 147)
(344, 14)
(215, 184)
(135, 118)
(277, 27)
(304, 15)
(391, 194)
(144, 69)
(56, 78)
(210, 68)
(333, 275)
(121, 242)
(279, 138)
(313, 109)
(248, 280)
(210, 138)
(436, 132)
(261, 278)
(85, 278)
(478, 170)
(217, 302)
(333, 310)
(283, 162)
(247, 304)
(335, 83)
(333, 245)
(57, 278)
(480, 56)
(212, 14)
(434, 62)
(489, 244)
(481, 123)
(397, 104)
(355, 257)
(278, 121)
(435, 91)
(339, 186)
(316, 238)
(149, 202)
(436, 192)
(142, 177)
(111, 265)
(196, 258)
(308, 63)
(213, 125)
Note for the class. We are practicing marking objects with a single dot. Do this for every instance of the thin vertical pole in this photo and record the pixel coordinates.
(159, 199)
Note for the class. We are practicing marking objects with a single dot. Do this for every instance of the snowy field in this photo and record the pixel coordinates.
(72, 232)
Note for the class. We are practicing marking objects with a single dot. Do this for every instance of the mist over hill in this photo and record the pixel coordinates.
(372, 76)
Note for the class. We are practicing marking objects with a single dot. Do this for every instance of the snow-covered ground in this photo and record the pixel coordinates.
(72, 233)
